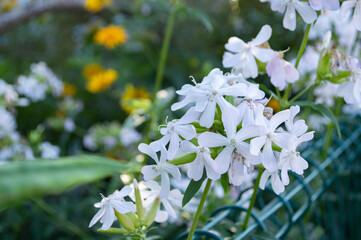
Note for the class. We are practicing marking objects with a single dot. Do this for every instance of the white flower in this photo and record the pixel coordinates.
(291, 6)
(326, 93)
(9, 93)
(347, 6)
(107, 206)
(322, 4)
(174, 199)
(69, 125)
(276, 182)
(202, 160)
(129, 136)
(309, 61)
(281, 72)
(89, 142)
(41, 70)
(32, 88)
(267, 137)
(234, 140)
(48, 150)
(161, 168)
(351, 90)
(174, 130)
(241, 55)
(207, 95)
(7, 123)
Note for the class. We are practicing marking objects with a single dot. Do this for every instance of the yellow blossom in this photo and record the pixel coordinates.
(101, 81)
(69, 89)
(111, 36)
(8, 5)
(96, 5)
(91, 70)
(135, 98)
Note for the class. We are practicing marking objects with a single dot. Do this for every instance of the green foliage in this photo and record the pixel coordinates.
(192, 189)
(25, 180)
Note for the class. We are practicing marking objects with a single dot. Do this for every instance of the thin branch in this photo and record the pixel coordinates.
(23, 13)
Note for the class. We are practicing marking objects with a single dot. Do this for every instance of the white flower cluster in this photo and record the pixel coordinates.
(226, 130)
(307, 10)
(39, 82)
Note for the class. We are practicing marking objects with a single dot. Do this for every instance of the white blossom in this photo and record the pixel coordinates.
(31, 88)
(129, 136)
(162, 168)
(55, 84)
(107, 206)
(48, 150)
(346, 8)
(290, 7)
(241, 55)
(351, 90)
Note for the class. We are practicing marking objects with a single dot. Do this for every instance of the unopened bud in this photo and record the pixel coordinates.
(149, 218)
(125, 221)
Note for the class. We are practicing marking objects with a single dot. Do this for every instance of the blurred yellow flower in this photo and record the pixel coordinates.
(69, 89)
(135, 98)
(91, 70)
(7, 5)
(96, 5)
(101, 81)
(111, 36)
(274, 104)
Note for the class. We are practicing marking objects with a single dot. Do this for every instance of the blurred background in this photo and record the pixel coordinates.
(107, 102)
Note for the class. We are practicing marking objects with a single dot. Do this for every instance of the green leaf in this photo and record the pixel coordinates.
(225, 182)
(323, 110)
(27, 179)
(192, 189)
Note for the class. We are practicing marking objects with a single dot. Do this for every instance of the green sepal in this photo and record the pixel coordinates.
(134, 217)
(113, 230)
(149, 218)
(125, 221)
(187, 158)
(138, 203)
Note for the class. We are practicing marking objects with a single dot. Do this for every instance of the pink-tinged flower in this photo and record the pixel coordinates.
(290, 7)
(346, 8)
(322, 4)
(241, 55)
(281, 72)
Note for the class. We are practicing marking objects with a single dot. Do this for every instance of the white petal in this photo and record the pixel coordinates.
(190, 116)
(346, 7)
(238, 89)
(277, 185)
(209, 139)
(108, 218)
(201, 105)
(230, 121)
(269, 160)
(210, 167)
(317, 4)
(188, 147)
(263, 54)
(97, 216)
(173, 145)
(230, 59)
(186, 131)
(332, 4)
(282, 139)
(250, 132)
(305, 137)
(172, 170)
(278, 78)
(123, 207)
(223, 159)
(263, 36)
(235, 44)
(169, 208)
(144, 148)
(264, 177)
(125, 191)
(195, 169)
(284, 175)
(207, 117)
(307, 13)
(278, 6)
(289, 20)
(149, 173)
(250, 69)
(278, 119)
(292, 74)
(298, 165)
(161, 216)
(357, 16)
(181, 104)
(256, 145)
(164, 185)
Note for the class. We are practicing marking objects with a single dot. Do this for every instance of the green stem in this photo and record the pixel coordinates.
(199, 210)
(299, 55)
(253, 198)
(164, 50)
(301, 93)
(330, 128)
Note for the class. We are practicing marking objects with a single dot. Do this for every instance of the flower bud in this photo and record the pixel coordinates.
(138, 201)
(149, 218)
(125, 221)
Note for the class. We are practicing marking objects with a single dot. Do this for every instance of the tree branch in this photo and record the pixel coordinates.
(28, 11)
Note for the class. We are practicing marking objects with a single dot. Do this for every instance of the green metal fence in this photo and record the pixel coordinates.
(324, 204)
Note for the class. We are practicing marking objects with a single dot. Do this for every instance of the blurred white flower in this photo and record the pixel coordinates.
(9, 93)
(351, 90)
(241, 55)
(291, 6)
(48, 150)
(41, 70)
(326, 93)
(129, 136)
(347, 6)
(115, 201)
(31, 87)
(89, 142)
(69, 125)
(309, 61)
(7, 123)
